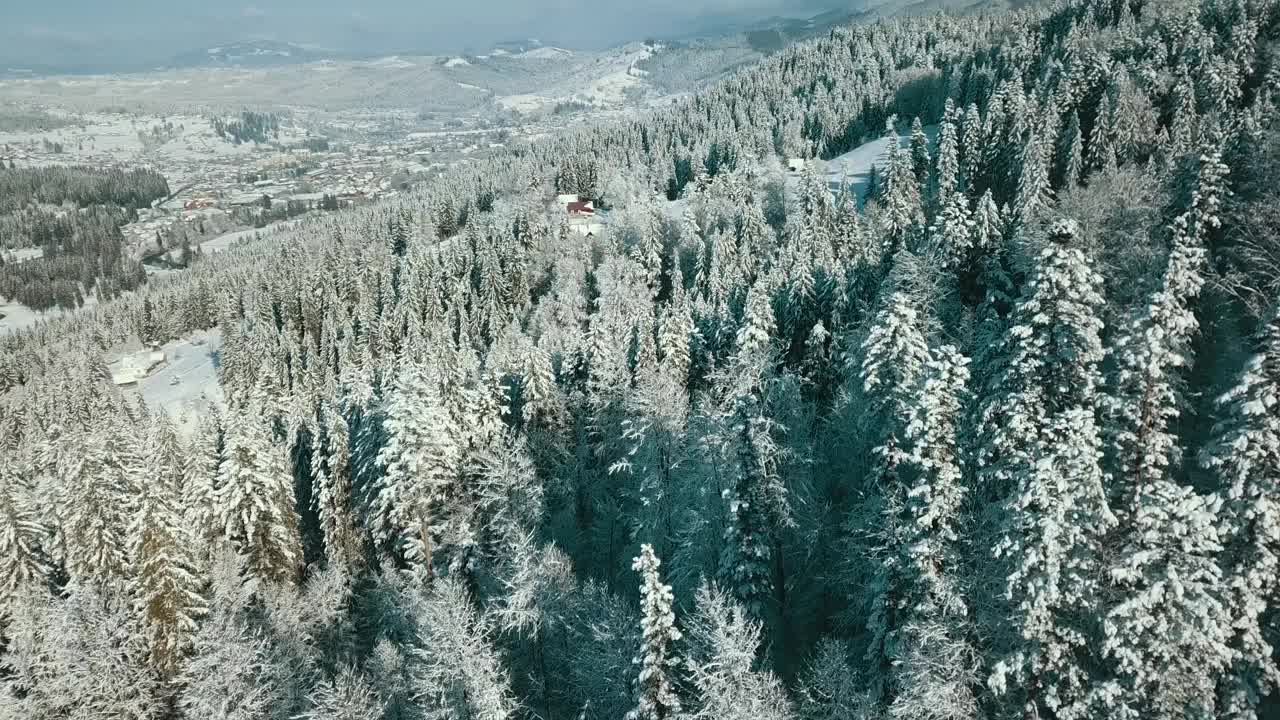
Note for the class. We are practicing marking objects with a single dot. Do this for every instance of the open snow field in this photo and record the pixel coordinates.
(854, 167)
(231, 239)
(186, 386)
(17, 317)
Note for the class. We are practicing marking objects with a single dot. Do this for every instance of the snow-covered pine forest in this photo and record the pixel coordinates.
(999, 440)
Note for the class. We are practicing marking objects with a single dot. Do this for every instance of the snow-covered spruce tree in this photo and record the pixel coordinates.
(1040, 450)
(920, 160)
(934, 664)
(421, 463)
(76, 656)
(1167, 634)
(1070, 163)
(331, 480)
(953, 233)
(256, 510)
(902, 212)
(1101, 151)
(229, 676)
(1154, 355)
(1150, 360)
(1166, 629)
(656, 697)
(1035, 192)
(22, 558)
(655, 427)
(949, 180)
(165, 588)
(460, 675)
(894, 355)
(97, 494)
(200, 483)
(543, 402)
(349, 695)
(756, 499)
(722, 668)
(829, 687)
(1245, 456)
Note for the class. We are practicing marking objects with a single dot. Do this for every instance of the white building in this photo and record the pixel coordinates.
(586, 225)
(133, 368)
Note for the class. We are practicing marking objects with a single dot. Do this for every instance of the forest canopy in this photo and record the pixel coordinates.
(998, 439)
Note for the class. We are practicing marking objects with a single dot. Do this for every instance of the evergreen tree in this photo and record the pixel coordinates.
(22, 533)
(920, 161)
(902, 211)
(1245, 456)
(949, 180)
(756, 499)
(95, 523)
(348, 696)
(421, 463)
(1070, 163)
(76, 657)
(1041, 451)
(460, 674)
(166, 590)
(934, 664)
(723, 671)
(655, 693)
(256, 509)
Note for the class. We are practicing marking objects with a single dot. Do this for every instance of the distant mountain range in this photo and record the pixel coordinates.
(525, 73)
(252, 53)
(766, 35)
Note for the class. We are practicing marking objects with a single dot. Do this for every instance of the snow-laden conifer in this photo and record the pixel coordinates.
(1245, 457)
(723, 670)
(656, 697)
(165, 591)
(1041, 450)
(460, 674)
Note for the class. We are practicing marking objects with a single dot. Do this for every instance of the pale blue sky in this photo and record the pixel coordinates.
(89, 33)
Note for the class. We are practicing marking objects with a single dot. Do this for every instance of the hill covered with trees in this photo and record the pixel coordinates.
(73, 215)
(999, 440)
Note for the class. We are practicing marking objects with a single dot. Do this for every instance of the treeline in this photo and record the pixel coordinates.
(83, 252)
(249, 127)
(19, 120)
(80, 186)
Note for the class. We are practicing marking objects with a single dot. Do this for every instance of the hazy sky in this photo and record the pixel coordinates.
(119, 32)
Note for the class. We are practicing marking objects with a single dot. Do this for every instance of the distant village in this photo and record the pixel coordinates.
(219, 191)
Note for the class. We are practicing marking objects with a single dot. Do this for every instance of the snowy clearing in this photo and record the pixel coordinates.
(853, 169)
(193, 364)
(231, 239)
(21, 254)
(15, 316)
(524, 103)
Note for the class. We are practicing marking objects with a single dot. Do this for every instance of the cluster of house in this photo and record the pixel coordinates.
(581, 214)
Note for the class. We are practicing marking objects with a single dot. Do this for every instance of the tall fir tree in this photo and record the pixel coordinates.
(166, 590)
(1041, 451)
(1245, 457)
(656, 697)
